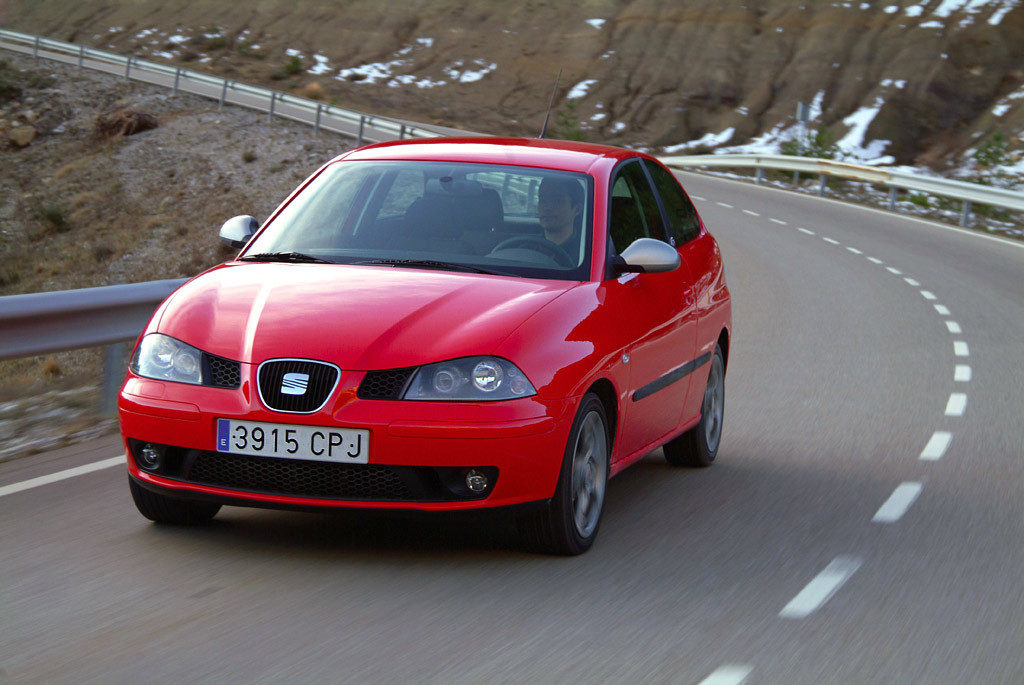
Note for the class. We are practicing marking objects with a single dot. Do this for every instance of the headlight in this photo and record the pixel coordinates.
(478, 379)
(167, 359)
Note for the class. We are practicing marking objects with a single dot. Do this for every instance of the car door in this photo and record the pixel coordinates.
(654, 316)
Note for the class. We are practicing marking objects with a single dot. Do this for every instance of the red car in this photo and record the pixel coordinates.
(439, 325)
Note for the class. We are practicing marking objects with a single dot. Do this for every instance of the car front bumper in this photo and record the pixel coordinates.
(419, 452)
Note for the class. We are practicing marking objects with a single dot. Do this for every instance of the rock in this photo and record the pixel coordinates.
(123, 121)
(29, 116)
(21, 136)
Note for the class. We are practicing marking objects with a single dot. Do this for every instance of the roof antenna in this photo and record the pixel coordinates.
(544, 128)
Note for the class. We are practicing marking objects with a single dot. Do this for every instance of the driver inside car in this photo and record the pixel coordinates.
(559, 205)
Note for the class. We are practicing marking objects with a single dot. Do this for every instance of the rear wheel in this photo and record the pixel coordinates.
(163, 509)
(569, 524)
(699, 445)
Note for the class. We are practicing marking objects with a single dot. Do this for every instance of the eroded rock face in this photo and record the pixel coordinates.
(928, 77)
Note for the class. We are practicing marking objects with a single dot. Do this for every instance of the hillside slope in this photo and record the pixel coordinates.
(905, 81)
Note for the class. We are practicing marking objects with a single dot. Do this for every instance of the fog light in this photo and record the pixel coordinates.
(476, 481)
(149, 457)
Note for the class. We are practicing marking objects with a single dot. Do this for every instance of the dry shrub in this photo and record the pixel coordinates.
(50, 367)
(313, 91)
(123, 121)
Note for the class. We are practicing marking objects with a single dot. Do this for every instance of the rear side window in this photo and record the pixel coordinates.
(684, 224)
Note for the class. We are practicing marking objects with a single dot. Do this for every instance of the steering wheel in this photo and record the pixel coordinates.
(539, 244)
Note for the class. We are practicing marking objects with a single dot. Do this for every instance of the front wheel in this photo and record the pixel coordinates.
(161, 509)
(699, 445)
(570, 522)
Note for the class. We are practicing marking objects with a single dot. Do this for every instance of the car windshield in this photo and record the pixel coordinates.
(481, 218)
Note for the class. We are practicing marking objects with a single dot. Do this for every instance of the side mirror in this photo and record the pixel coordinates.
(647, 256)
(238, 231)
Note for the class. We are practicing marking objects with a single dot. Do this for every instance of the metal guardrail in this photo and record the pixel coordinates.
(362, 127)
(967, 193)
(40, 323)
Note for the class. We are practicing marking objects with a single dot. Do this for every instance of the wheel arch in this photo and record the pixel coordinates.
(605, 392)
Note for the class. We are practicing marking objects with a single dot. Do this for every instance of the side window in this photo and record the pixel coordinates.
(407, 187)
(634, 209)
(684, 225)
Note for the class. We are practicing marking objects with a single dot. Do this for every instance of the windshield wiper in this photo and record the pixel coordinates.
(284, 257)
(434, 264)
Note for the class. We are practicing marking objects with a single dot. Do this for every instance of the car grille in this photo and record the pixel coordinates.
(303, 478)
(384, 385)
(222, 373)
(322, 378)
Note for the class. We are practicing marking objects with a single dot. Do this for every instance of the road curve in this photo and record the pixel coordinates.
(862, 524)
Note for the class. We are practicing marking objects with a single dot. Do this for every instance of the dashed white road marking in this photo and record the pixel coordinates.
(954, 327)
(911, 282)
(960, 349)
(61, 475)
(928, 295)
(747, 211)
(898, 503)
(875, 260)
(942, 309)
(831, 241)
(730, 674)
(780, 222)
(937, 446)
(854, 250)
(893, 270)
(722, 204)
(698, 197)
(962, 373)
(821, 589)
(957, 404)
(804, 230)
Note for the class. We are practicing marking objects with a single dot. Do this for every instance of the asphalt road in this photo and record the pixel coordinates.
(863, 522)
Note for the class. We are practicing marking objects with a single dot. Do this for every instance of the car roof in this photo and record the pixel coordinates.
(535, 152)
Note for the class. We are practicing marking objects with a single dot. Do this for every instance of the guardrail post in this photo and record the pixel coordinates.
(113, 374)
(273, 98)
(759, 176)
(177, 77)
(128, 69)
(81, 56)
(821, 185)
(223, 94)
(35, 48)
(796, 178)
(892, 198)
(316, 125)
(401, 132)
(362, 125)
(966, 213)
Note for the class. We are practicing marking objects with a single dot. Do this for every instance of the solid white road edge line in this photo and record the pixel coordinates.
(937, 446)
(898, 503)
(821, 589)
(730, 674)
(61, 475)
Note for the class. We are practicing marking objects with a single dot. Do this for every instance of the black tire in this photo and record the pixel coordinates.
(699, 446)
(572, 518)
(163, 509)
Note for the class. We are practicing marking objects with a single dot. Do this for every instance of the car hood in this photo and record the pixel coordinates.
(359, 317)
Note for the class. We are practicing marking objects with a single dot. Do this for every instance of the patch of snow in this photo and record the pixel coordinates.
(708, 140)
(320, 67)
(145, 32)
(426, 42)
(892, 9)
(456, 72)
(580, 89)
(293, 53)
(915, 11)
(742, 110)
(115, 29)
(599, 116)
(165, 55)
(608, 54)
(932, 25)
(618, 126)
(371, 73)
(596, 23)
(853, 144)
(178, 39)
(1001, 109)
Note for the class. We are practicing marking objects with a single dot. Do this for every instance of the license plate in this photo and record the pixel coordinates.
(289, 441)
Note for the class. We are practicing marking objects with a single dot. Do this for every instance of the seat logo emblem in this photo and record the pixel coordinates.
(294, 383)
